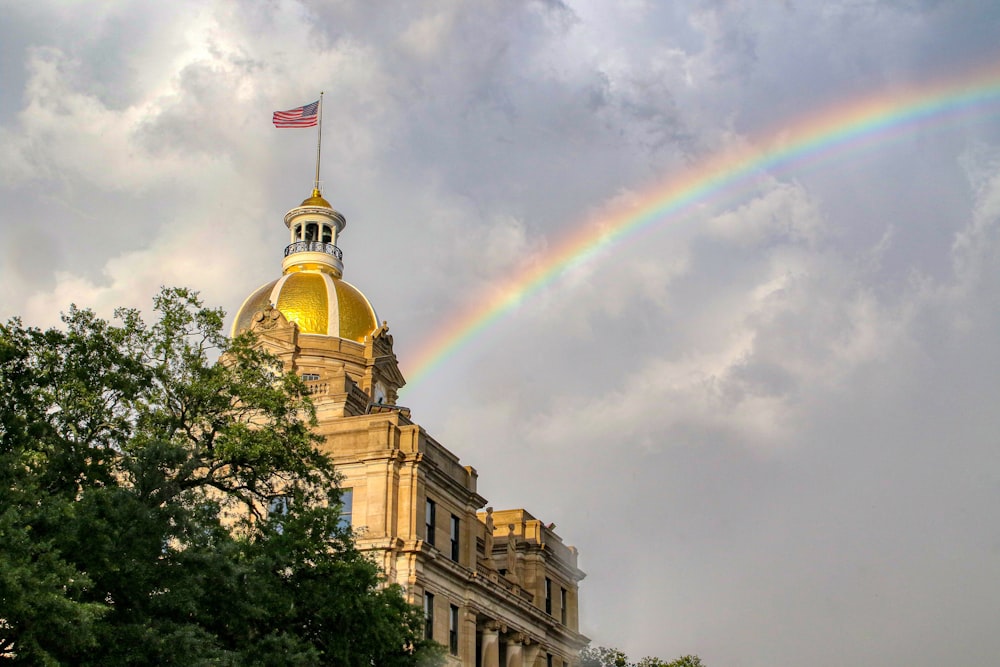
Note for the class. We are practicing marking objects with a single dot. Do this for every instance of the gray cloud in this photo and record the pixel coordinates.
(769, 425)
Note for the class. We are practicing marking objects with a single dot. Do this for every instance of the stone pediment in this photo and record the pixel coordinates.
(382, 356)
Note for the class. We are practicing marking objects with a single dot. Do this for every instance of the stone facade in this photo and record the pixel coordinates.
(499, 588)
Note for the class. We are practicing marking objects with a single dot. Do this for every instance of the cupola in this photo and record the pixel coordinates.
(311, 291)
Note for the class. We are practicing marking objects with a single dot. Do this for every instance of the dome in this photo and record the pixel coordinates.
(317, 302)
(316, 199)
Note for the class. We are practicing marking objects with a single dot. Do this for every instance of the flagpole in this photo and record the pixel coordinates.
(319, 141)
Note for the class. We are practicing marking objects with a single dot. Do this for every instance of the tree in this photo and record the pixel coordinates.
(135, 481)
(602, 656)
(683, 661)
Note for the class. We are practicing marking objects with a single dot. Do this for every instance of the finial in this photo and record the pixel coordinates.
(316, 199)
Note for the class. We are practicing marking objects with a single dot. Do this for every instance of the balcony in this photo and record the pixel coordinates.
(314, 246)
(503, 582)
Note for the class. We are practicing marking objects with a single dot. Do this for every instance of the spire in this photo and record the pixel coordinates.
(319, 144)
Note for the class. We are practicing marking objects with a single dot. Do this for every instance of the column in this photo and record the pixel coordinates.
(515, 656)
(491, 644)
(531, 651)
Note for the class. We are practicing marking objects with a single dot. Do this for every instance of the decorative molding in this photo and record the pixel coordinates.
(268, 318)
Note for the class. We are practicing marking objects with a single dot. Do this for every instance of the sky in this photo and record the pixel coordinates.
(769, 421)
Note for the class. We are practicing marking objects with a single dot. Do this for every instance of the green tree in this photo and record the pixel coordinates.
(603, 656)
(135, 477)
(683, 661)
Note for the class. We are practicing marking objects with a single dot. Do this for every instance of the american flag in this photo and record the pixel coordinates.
(300, 117)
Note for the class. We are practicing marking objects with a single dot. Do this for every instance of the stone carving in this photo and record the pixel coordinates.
(382, 338)
(488, 537)
(267, 318)
(515, 637)
(511, 554)
(494, 625)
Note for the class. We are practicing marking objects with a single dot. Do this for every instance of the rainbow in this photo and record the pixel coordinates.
(861, 122)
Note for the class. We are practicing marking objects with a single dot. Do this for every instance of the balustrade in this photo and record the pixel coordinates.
(314, 246)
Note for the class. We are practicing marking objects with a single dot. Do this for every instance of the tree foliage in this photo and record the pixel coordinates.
(602, 656)
(135, 477)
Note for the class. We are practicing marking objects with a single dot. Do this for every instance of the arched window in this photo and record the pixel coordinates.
(312, 231)
(298, 232)
(327, 234)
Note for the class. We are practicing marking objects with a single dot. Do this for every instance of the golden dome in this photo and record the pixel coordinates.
(316, 199)
(315, 300)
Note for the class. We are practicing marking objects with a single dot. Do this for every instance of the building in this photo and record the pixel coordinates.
(498, 587)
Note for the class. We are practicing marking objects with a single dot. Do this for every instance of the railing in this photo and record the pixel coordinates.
(317, 388)
(503, 582)
(314, 246)
(495, 577)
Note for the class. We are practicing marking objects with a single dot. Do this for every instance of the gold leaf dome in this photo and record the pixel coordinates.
(317, 302)
(316, 199)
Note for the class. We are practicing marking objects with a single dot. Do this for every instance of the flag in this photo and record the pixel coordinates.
(300, 117)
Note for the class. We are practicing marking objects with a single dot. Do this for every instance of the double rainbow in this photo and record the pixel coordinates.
(871, 119)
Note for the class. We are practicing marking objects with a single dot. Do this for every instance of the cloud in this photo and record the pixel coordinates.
(769, 426)
(799, 318)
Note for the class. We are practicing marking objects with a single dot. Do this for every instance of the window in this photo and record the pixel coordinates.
(429, 615)
(453, 630)
(548, 660)
(454, 538)
(298, 232)
(562, 605)
(327, 235)
(346, 508)
(310, 377)
(430, 520)
(312, 231)
(277, 507)
(548, 595)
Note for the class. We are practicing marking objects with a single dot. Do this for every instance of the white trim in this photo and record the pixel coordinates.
(276, 290)
(332, 306)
